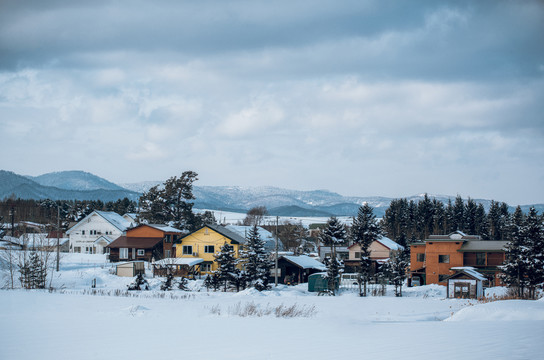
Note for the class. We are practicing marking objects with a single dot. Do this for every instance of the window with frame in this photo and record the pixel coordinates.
(167, 238)
(123, 253)
(167, 253)
(82, 232)
(421, 257)
(444, 259)
(209, 249)
(187, 250)
(480, 258)
(206, 267)
(141, 252)
(357, 254)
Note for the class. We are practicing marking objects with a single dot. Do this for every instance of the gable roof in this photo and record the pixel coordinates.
(160, 227)
(135, 242)
(304, 262)
(454, 236)
(467, 270)
(113, 218)
(385, 241)
(231, 235)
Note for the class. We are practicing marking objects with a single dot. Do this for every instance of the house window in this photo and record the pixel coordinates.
(167, 238)
(444, 259)
(123, 253)
(77, 249)
(421, 257)
(209, 249)
(480, 258)
(206, 267)
(141, 252)
(357, 254)
(167, 253)
(82, 232)
(187, 250)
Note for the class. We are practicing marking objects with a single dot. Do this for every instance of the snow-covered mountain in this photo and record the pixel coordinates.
(18, 186)
(75, 180)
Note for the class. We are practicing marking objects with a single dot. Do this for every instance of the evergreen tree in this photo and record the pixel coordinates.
(182, 285)
(398, 267)
(425, 214)
(332, 235)
(482, 223)
(514, 271)
(458, 214)
(469, 217)
(227, 264)
(364, 231)
(533, 232)
(171, 203)
(256, 260)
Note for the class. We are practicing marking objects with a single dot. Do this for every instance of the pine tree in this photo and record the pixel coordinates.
(398, 267)
(514, 271)
(182, 285)
(533, 232)
(332, 235)
(458, 214)
(364, 231)
(227, 263)
(256, 261)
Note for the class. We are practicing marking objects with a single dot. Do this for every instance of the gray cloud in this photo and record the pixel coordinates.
(367, 98)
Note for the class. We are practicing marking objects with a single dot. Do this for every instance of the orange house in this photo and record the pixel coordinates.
(145, 242)
(431, 260)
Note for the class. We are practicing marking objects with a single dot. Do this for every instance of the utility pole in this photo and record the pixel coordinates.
(58, 240)
(12, 213)
(276, 267)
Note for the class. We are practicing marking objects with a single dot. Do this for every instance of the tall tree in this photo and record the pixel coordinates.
(256, 260)
(227, 264)
(171, 203)
(332, 235)
(533, 232)
(514, 270)
(364, 231)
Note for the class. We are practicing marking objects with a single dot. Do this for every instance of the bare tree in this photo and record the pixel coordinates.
(255, 215)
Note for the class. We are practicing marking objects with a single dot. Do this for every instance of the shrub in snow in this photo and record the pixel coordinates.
(139, 283)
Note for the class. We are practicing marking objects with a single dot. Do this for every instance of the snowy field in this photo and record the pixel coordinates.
(68, 324)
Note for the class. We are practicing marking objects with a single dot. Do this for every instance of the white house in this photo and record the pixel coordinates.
(92, 234)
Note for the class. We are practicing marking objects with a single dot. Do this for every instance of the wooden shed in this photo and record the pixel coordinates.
(296, 269)
(130, 269)
(466, 283)
(187, 267)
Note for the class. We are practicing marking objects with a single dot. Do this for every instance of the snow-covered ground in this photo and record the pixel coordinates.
(68, 324)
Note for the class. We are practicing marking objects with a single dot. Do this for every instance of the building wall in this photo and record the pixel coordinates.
(201, 238)
(83, 237)
(377, 251)
(414, 251)
(433, 268)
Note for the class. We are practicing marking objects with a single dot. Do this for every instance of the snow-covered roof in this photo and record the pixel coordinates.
(179, 261)
(387, 242)
(36, 240)
(305, 262)
(112, 217)
(107, 239)
(165, 228)
(265, 235)
(469, 270)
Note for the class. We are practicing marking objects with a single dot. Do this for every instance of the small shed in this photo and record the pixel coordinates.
(177, 267)
(466, 283)
(130, 269)
(319, 282)
(296, 269)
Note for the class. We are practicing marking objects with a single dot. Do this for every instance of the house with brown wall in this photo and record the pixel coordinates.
(146, 242)
(432, 260)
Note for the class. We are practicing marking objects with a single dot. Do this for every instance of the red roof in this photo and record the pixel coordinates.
(135, 242)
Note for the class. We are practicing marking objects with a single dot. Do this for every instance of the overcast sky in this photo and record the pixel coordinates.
(390, 98)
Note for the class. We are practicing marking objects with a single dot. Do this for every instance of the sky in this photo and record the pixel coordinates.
(364, 98)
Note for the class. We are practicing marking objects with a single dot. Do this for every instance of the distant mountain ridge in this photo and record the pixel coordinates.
(71, 185)
(12, 184)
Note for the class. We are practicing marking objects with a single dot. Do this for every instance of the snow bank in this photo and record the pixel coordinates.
(507, 310)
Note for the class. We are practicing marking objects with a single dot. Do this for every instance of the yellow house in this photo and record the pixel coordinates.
(206, 242)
